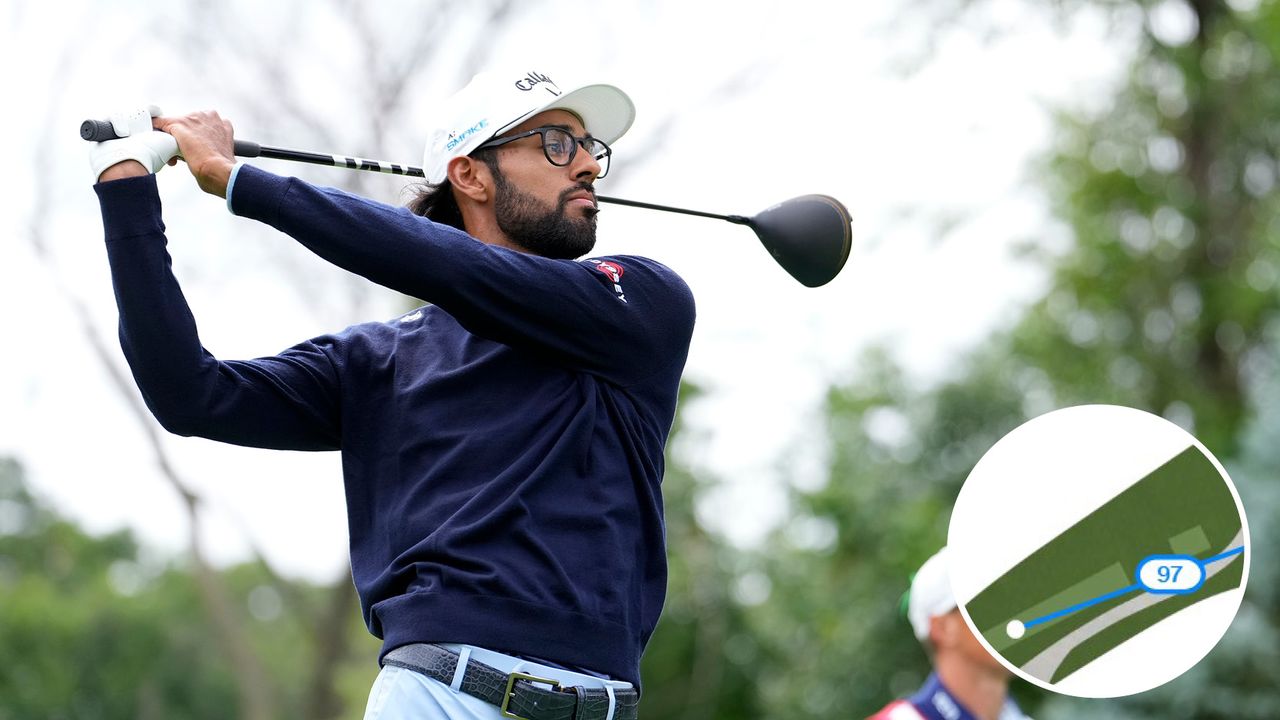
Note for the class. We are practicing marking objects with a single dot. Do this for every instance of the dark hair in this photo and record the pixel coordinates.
(436, 202)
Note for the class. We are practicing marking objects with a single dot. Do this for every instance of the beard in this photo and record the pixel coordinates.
(549, 233)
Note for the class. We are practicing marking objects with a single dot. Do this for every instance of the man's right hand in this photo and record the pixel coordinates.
(208, 146)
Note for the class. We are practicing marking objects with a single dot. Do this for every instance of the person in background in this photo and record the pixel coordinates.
(967, 683)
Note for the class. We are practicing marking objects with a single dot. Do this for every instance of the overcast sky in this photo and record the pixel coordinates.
(929, 148)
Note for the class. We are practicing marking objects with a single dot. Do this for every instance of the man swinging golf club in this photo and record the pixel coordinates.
(502, 446)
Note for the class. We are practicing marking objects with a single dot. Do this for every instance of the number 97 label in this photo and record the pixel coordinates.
(1170, 574)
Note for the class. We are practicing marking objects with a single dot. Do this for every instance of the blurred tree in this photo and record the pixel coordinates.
(1167, 291)
(94, 627)
(97, 628)
(220, 51)
(1240, 678)
(1169, 299)
(92, 630)
(833, 625)
(1163, 300)
(698, 665)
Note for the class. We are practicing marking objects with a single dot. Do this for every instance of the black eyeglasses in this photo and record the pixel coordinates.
(560, 146)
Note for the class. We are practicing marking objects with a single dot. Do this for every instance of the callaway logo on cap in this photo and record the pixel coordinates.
(493, 103)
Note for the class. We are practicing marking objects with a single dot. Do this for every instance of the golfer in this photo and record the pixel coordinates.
(967, 682)
(502, 446)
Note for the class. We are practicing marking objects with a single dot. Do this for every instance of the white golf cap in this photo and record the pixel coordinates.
(493, 103)
(930, 594)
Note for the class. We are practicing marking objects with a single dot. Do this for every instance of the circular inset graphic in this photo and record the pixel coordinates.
(1098, 551)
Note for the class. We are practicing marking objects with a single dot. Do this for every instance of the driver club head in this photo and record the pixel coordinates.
(809, 236)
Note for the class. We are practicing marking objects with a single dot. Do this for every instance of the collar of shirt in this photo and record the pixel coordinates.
(935, 702)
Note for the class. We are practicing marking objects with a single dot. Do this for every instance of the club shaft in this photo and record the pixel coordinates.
(98, 130)
(250, 149)
(738, 219)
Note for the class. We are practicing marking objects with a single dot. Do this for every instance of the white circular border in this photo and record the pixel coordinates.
(1081, 457)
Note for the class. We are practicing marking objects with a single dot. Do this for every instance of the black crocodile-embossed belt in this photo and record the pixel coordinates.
(515, 693)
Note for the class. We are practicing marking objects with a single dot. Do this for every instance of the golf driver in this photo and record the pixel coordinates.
(809, 236)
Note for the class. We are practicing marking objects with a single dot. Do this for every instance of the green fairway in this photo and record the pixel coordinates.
(1182, 507)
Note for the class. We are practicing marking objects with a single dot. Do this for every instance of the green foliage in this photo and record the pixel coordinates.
(91, 628)
(1172, 278)
(1166, 299)
(80, 635)
(700, 662)
(1240, 677)
(834, 627)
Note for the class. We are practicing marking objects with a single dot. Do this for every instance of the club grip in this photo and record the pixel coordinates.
(103, 130)
(97, 130)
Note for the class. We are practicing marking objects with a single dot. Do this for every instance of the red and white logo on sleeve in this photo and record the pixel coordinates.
(614, 272)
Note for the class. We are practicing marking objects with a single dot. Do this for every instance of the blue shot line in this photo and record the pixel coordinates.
(1080, 606)
(1117, 593)
(1220, 556)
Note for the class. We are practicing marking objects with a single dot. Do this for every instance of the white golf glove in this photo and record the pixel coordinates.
(138, 141)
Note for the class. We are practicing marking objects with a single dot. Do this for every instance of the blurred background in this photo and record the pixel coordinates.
(1055, 203)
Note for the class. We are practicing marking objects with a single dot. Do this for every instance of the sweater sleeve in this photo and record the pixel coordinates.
(623, 318)
(286, 402)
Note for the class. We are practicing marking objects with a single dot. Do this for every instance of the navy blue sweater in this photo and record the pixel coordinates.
(502, 447)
